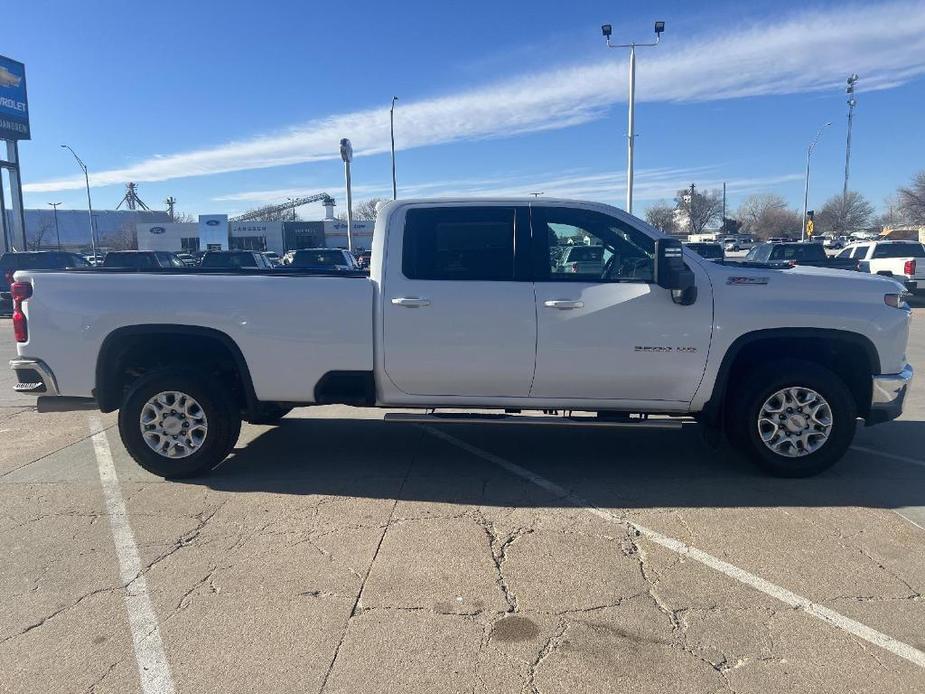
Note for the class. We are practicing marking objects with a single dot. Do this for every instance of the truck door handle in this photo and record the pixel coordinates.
(563, 304)
(410, 301)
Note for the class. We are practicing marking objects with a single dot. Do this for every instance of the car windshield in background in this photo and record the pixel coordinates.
(40, 261)
(797, 251)
(318, 259)
(133, 260)
(899, 250)
(710, 251)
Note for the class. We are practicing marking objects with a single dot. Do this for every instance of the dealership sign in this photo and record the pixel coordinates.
(14, 107)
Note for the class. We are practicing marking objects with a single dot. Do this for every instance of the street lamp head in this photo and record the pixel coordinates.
(606, 30)
(346, 150)
(659, 28)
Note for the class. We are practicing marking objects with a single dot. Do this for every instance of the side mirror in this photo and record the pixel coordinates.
(671, 273)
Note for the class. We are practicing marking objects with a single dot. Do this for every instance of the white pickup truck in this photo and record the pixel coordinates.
(904, 261)
(467, 306)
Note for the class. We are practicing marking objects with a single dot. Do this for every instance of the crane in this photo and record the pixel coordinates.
(282, 207)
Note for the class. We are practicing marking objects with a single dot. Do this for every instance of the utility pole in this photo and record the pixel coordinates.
(346, 153)
(723, 227)
(607, 30)
(392, 133)
(57, 232)
(170, 202)
(809, 154)
(690, 210)
(852, 102)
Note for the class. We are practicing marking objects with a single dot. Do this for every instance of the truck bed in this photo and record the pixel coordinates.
(292, 326)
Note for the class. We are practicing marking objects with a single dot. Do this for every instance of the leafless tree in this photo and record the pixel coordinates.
(700, 209)
(912, 200)
(268, 215)
(766, 215)
(36, 235)
(183, 217)
(662, 216)
(363, 211)
(125, 239)
(845, 215)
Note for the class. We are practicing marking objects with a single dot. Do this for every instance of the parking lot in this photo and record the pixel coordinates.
(339, 553)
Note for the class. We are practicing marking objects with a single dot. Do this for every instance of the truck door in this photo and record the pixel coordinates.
(604, 329)
(458, 307)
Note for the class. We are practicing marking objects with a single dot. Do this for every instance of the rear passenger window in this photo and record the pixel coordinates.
(459, 243)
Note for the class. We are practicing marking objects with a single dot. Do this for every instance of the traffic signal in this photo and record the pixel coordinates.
(810, 225)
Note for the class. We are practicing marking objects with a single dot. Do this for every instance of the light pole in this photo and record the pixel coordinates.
(392, 132)
(607, 30)
(809, 154)
(89, 204)
(852, 102)
(346, 153)
(57, 233)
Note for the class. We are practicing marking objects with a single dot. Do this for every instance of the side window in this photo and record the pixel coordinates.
(587, 246)
(860, 252)
(459, 243)
(846, 253)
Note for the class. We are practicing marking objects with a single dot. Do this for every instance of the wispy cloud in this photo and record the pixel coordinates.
(805, 52)
(650, 185)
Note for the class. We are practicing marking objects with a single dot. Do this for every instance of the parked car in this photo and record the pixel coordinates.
(247, 260)
(710, 251)
(834, 242)
(188, 259)
(581, 259)
(142, 260)
(901, 260)
(798, 253)
(273, 258)
(32, 260)
(464, 310)
(326, 259)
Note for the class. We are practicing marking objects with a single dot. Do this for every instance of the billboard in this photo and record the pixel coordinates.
(14, 107)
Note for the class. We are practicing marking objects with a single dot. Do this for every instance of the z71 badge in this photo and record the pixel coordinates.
(746, 280)
(663, 348)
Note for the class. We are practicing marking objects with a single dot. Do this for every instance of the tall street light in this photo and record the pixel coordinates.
(809, 154)
(852, 102)
(89, 204)
(346, 153)
(607, 30)
(392, 132)
(57, 233)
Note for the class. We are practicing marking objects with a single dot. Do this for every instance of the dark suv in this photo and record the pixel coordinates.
(32, 260)
(142, 260)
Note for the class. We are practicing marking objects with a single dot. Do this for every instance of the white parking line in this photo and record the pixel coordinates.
(153, 668)
(839, 621)
(891, 456)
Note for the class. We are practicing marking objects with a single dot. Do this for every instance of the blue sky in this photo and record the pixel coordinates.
(228, 105)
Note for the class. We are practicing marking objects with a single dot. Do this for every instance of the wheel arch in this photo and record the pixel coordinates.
(122, 344)
(857, 361)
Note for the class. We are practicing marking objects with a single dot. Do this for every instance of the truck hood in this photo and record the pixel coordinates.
(803, 277)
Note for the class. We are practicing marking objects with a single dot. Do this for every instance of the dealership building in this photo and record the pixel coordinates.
(217, 232)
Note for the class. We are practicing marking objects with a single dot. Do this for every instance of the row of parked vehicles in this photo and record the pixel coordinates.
(320, 259)
(902, 260)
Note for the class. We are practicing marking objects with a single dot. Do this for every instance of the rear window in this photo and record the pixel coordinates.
(899, 250)
(132, 260)
(40, 261)
(245, 260)
(459, 243)
(799, 251)
(585, 254)
(320, 258)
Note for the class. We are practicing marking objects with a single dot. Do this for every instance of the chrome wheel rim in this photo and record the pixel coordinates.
(173, 424)
(795, 422)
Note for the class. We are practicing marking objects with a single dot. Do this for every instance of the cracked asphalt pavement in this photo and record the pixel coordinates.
(338, 553)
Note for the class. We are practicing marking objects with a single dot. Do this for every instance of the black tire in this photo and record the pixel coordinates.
(753, 389)
(221, 412)
(269, 414)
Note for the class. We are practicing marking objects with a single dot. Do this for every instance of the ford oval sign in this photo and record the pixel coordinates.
(157, 230)
(212, 222)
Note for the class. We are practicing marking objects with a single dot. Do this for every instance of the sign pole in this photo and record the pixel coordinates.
(19, 217)
(4, 237)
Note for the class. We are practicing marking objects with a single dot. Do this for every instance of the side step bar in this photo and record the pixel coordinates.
(547, 420)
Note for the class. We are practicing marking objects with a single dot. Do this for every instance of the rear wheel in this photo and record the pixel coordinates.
(177, 424)
(792, 418)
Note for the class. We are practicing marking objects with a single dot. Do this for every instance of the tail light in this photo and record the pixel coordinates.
(909, 268)
(20, 291)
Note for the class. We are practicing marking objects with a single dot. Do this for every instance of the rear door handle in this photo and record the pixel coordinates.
(563, 304)
(410, 301)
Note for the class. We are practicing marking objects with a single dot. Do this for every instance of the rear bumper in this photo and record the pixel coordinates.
(33, 377)
(888, 394)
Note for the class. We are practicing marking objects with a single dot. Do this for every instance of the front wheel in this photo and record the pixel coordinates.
(792, 418)
(178, 424)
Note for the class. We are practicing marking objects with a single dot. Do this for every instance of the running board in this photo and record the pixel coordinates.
(547, 420)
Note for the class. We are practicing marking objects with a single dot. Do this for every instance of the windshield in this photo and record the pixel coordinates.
(798, 251)
(709, 251)
(228, 260)
(135, 260)
(318, 259)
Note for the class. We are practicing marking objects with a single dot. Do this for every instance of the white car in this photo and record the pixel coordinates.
(901, 260)
(464, 309)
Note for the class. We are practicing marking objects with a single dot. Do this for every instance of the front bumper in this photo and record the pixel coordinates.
(888, 395)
